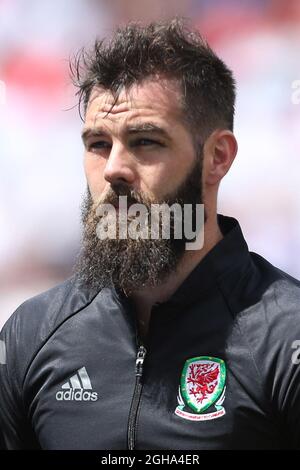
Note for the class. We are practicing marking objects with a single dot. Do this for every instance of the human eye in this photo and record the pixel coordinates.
(98, 145)
(144, 142)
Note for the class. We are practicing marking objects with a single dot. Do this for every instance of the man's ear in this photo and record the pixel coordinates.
(220, 150)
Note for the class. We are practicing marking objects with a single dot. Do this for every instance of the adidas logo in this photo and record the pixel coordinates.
(77, 388)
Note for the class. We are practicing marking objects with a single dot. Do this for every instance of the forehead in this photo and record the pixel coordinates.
(161, 99)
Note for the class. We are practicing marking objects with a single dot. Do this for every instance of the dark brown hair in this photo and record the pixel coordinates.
(169, 49)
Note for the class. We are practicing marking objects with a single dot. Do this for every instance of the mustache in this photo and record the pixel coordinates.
(122, 189)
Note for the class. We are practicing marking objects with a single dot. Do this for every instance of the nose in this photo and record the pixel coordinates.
(119, 166)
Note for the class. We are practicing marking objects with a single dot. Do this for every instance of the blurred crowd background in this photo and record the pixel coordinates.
(41, 174)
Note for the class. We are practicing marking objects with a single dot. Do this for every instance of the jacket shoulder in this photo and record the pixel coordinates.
(262, 292)
(35, 320)
(265, 305)
(278, 286)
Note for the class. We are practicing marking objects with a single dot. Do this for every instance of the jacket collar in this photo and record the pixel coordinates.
(229, 255)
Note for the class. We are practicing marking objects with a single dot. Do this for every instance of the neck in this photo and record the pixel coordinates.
(145, 298)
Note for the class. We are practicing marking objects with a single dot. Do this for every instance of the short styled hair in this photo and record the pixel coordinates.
(169, 49)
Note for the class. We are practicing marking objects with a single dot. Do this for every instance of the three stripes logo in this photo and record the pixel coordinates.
(78, 388)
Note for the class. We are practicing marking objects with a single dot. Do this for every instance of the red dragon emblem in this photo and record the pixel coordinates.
(203, 378)
(202, 387)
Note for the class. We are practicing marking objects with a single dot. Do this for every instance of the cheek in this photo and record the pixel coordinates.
(159, 181)
(166, 177)
(94, 170)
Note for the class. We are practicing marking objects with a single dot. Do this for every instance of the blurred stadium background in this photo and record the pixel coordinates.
(41, 174)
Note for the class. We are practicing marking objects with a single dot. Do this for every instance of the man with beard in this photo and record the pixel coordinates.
(142, 268)
(151, 345)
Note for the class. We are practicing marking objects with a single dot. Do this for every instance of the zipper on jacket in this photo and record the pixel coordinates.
(131, 435)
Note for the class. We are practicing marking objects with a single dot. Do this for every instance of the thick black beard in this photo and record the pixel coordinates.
(132, 264)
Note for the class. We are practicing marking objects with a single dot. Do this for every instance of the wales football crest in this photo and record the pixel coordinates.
(202, 387)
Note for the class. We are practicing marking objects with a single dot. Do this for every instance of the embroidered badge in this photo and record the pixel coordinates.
(202, 385)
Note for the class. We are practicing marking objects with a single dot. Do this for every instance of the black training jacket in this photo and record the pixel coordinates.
(219, 369)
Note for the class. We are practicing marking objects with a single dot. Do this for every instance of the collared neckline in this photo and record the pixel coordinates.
(230, 253)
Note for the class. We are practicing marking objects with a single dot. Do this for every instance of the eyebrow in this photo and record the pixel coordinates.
(146, 127)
